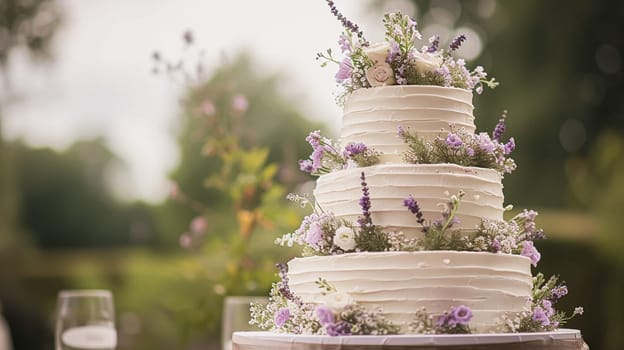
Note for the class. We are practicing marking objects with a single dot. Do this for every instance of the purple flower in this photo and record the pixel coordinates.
(447, 320)
(510, 146)
(462, 314)
(540, 316)
(347, 24)
(345, 68)
(470, 152)
(343, 42)
(281, 316)
(529, 250)
(485, 143)
(445, 72)
(338, 329)
(240, 103)
(456, 43)
(435, 44)
(353, 149)
(393, 53)
(306, 165)
(499, 129)
(402, 133)
(317, 157)
(314, 234)
(495, 247)
(314, 138)
(559, 292)
(548, 309)
(412, 206)
(325, 315)
(365, 203)
(454, 140)
(284, 289)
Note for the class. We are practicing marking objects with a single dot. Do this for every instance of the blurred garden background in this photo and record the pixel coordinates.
(147, 148)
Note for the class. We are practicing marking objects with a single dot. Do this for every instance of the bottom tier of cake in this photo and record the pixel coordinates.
(563, 339)
(401, 283)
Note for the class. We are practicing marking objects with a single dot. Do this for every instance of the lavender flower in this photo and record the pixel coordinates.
(462, 315)
(325, 315)
(365, 219)
(445, 73)
(454, 140)
(281, 316)
(510, 146)
(548, 308)
(413, 207)
(485, 143)
(499, 129)
(344, 44)
(338, 329)
(314, 234)
(307, 166)
(559, 292)
(402, 134)
(394, 51)
(345, 69)
(347, 24)
(529, 250)
(314, 138)
(353, 149)
(456, 43)
(495, 246)
(540, 316)
(434, 42)
(284, 289)
(470, 152)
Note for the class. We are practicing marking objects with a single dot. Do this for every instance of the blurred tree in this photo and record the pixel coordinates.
(239, 97)
(66, 200)
(561, 71)
(29, 24)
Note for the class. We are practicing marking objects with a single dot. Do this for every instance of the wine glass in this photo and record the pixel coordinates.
(236, 317)
(85, 319)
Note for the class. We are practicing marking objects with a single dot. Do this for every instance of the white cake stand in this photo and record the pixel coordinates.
(562, 339)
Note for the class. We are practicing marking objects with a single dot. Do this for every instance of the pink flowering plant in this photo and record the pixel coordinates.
(401, 59)
(462, 148)
(328, 156)
(542, 316)
(287, 313)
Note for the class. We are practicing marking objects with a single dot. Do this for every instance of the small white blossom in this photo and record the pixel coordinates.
(345, 238)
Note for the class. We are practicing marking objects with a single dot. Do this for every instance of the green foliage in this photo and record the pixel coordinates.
(28, 23)
(65, 201)
(370, 238)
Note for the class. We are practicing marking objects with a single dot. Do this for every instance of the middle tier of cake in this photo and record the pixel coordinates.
(431, 185)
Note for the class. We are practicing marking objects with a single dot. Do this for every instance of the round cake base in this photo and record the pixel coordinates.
(563, 339)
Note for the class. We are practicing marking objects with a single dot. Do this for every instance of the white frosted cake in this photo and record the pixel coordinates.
(407, 234)
(401, 282)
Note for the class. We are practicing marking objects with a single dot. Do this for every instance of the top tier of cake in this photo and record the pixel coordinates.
(372, 116)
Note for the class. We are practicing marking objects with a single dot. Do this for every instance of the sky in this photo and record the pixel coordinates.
(99, 81)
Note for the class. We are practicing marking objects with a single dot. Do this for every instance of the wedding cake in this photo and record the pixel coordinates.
(407, 233)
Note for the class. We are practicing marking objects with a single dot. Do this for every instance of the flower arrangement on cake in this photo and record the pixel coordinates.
(406, 234)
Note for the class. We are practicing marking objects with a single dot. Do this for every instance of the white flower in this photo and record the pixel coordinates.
(380, 74)
(337, 301)
(344, 238)
(378, 52)
(425, 62)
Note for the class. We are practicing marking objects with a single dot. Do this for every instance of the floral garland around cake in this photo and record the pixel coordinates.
(398, 60)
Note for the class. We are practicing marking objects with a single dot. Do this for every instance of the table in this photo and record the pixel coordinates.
(563, 339)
